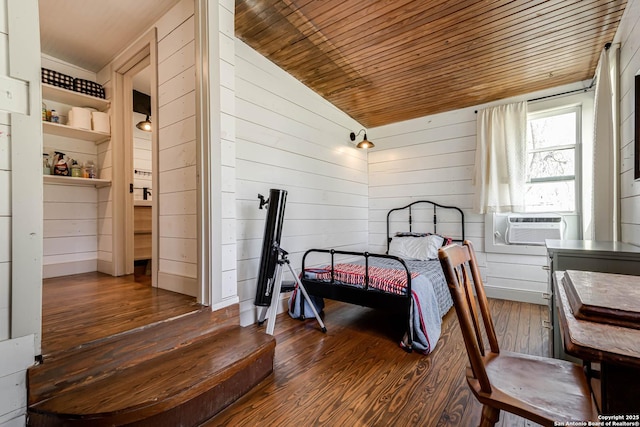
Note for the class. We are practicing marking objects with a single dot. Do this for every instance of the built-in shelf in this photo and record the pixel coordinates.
(70, 97)
(67, 180)
(71, 132)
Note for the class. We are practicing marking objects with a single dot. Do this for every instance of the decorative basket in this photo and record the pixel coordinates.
(88, 87)
(57, 79)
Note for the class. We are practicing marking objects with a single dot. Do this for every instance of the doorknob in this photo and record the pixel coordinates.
(130, 188)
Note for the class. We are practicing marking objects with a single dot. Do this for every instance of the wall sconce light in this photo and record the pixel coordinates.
(145, 125)
(364, 143)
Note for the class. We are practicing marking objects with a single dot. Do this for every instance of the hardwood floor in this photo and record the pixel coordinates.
(87, 307)
(356, 375)
(119, 352)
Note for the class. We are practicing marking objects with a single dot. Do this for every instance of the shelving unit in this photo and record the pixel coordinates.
(70, 132)
(83, 182)
(70, 97)
(76, 99)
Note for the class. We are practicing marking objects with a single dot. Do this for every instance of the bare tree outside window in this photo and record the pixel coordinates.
(551, 161)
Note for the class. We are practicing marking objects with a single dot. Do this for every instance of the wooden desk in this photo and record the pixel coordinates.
(617, 348)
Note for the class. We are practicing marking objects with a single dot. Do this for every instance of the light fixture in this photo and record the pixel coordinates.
(145, 125)
(364, 143)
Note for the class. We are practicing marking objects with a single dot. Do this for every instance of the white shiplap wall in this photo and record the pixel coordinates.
(70, 213)
(432, 158)
(628, 36)
(176, 157)
(20, 190)
(5, 226)
(289, 138)
(222, 104)
(177, 150)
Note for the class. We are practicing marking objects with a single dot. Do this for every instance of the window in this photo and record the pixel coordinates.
(553, 139)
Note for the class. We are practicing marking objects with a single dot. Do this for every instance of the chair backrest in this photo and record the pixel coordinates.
(463, 277)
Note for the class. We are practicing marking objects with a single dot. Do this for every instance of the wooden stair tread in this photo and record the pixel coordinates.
(157, 385)
(96, 359)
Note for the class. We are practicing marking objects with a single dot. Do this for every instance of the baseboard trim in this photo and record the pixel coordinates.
(105, 267)
(511, 294)
(69, 268)
(180, 284)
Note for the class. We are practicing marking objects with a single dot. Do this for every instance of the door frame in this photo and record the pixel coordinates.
(142, 53)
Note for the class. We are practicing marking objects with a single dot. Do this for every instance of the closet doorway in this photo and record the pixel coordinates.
(135, 154)
(142, 156)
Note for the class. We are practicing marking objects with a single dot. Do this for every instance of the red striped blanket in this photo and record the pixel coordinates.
(385, 279)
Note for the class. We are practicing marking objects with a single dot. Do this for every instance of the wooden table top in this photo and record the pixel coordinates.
(595, 341)
(603, 297)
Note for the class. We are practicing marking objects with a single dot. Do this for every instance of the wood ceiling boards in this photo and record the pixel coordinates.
(387, 61)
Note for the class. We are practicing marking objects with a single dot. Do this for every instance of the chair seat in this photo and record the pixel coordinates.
(538, 388)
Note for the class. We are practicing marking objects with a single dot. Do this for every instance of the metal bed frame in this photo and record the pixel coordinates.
(367, 296)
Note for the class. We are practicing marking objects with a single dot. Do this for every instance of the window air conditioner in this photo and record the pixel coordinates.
(533, 229)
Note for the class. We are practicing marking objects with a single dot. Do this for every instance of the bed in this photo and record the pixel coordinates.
(409, 285)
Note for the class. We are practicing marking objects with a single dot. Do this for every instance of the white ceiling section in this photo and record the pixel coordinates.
(90, 34)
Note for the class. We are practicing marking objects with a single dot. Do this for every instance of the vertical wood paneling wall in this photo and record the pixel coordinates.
(628, 36)
(289, 138)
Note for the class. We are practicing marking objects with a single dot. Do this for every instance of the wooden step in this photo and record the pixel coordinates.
(94, 360)
(172, 376)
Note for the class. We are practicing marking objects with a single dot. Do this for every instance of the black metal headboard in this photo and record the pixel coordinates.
(435, 217)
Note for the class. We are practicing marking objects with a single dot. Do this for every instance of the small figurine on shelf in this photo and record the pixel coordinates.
(60, 166)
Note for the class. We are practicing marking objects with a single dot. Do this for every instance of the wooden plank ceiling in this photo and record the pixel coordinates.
(386, 61)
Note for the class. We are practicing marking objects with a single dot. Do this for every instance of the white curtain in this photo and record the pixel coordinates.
(605, 169)
(500, 172)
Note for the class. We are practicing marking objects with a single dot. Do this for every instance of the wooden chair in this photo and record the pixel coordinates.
(540, 389)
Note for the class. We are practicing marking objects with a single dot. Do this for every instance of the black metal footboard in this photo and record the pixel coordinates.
(365, 296)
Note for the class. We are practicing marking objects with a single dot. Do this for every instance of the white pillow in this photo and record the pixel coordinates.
(422, 248)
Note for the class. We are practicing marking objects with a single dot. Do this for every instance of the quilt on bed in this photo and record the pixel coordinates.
(430, 295)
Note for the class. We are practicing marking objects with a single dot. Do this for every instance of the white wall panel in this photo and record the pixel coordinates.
(179, 226)
(176, 63)
(182, 250)
(177, 133)
(5, 148)
(178, 180)
(172, 19)
(177, 157)
(178, 203)
(628, 36)
(176, 39)
(5, 190)
(177, 86)
(178, 110)
(5, 241)
(20, 250)
(287, 137)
